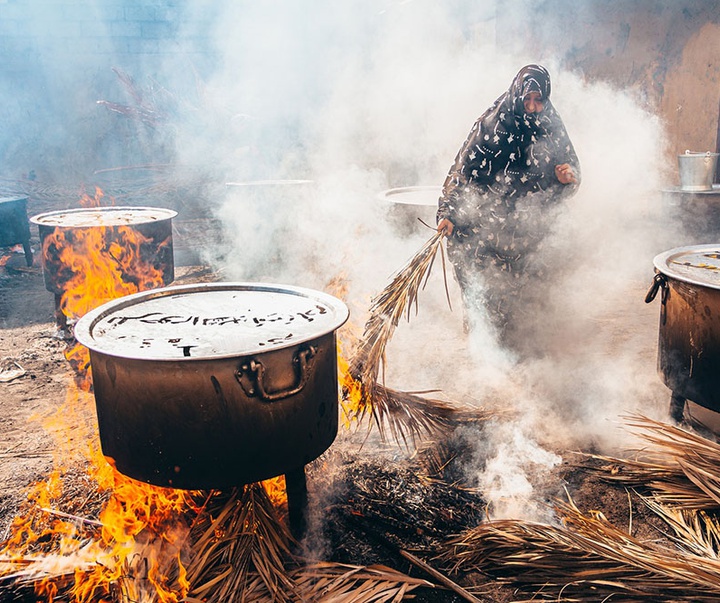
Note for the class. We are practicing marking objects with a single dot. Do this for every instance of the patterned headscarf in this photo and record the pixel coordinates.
(509, 151)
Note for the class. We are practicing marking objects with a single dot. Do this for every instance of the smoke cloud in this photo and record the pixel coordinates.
(302, 116)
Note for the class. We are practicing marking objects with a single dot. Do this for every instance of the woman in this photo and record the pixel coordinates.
(497, 200)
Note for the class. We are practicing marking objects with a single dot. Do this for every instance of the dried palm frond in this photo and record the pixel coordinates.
(237, 540)
(405, 415)
(586, 559)
(694, 531)
(340, 583)
(681, 468)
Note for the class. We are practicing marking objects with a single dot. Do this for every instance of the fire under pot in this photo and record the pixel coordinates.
(148, 229)
(688, 280)
(216, 385)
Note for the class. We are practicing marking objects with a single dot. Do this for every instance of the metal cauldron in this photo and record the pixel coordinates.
(214, 385)
(688, 280)
(153, 224)
(14, 226)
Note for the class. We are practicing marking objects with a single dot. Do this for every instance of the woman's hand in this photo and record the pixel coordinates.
(446, 227)
(565, 174)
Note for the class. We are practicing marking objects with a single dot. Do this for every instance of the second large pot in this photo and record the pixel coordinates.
(64, 233)
(688, 280)
(215, 385)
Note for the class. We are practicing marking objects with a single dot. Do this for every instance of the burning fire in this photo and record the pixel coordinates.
(137, 548)
(101, 263)
(97, 264)
(351, 401)
(136, 545)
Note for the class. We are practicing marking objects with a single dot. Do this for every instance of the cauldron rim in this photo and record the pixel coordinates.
(83, 329)
(662, 264)
(153, 214)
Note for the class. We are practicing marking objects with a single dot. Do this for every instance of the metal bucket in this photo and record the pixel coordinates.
(697, 170)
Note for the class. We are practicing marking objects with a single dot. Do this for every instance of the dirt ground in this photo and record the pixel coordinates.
(36, 376)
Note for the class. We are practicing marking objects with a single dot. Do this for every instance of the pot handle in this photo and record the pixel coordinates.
(251, 373)
(659, 282)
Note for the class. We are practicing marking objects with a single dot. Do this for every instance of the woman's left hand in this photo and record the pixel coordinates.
(565, 174)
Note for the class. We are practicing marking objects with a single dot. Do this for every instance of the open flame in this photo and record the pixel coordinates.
(97, 264)
(137, 548)
(137, 544)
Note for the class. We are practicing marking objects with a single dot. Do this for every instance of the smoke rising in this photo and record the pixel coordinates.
(338, 102)
(382, 95)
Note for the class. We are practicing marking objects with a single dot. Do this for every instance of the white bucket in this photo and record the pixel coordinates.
(697, 170)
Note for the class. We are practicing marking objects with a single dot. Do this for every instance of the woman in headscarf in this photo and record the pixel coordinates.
(498, 197)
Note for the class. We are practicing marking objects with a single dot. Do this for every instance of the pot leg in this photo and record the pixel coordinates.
(297, 501)
(677, 407)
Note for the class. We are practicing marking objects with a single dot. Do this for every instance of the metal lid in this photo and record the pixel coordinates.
(413, 195)
(84, 217)
(209, 320)
(697, 265)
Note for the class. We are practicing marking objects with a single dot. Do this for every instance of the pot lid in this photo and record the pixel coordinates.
(697, 265)
(209, 321)
(85, 217)
(413, 195)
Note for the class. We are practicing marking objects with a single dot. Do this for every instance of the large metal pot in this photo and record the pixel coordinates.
(409, 206)
(214, 385)
(153, 224)
(14, 227)
(688, 279)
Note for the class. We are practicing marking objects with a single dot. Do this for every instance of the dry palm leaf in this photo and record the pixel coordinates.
(406, 415)
(237, 540)
(324, 582)
(695, 531)
(681, 468)
(587, 559)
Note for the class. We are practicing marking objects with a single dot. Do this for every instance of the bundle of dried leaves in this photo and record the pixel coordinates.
(587, 559)
(237, 540)
(405, 415)
(680, 468)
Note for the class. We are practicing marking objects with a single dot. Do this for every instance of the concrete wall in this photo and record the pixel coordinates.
(666, 51)
(60, 57)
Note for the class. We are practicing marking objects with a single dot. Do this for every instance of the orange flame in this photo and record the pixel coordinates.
(276, 490)
(352, 401)
(97, 264)
(104, 263)
(96, 201)
(137, 544)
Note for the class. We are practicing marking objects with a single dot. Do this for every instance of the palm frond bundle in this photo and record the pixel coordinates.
(586, 559)
(405, 415)
(696, 532)
(238, 539)
(680, 467)
(323, 582)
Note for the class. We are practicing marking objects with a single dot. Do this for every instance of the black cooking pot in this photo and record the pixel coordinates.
(688, 280)
(154, 225)
(214, 385)
(14, 226)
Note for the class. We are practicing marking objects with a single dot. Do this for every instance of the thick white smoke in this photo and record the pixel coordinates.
(358, 97)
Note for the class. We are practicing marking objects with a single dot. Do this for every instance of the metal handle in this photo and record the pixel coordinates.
(254, 371)
(659, 282)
